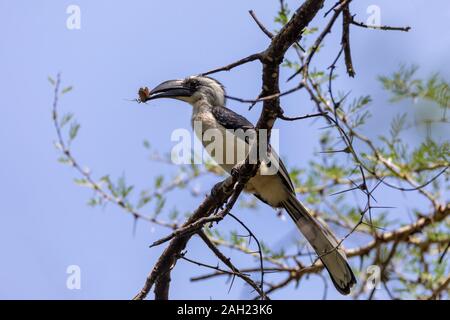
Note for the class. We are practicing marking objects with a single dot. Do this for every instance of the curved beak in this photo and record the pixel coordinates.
(170, 89)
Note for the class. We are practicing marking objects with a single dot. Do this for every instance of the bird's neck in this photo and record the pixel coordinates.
(201, 113)
(207, 98)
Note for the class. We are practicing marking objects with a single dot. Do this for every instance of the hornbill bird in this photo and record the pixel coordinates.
(207, 97)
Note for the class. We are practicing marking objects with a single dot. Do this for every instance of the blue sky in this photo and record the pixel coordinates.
(45, 224)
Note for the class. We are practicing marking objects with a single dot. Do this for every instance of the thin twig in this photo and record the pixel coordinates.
(385, 28)
(227, 261)
(260, 25)
(250, 58)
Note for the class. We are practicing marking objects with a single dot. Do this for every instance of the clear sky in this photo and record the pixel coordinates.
(45, 224)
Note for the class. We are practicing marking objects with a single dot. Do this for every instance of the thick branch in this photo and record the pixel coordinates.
(161, 270)
(346, 20)
(274, 55)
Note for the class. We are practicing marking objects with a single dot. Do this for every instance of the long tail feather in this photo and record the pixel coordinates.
(324, 243)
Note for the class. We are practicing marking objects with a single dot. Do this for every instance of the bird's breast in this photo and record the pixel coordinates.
(224, 147)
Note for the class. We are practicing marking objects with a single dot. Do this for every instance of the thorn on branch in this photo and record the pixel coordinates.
(441, 258)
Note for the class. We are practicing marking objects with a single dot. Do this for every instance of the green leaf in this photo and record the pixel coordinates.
(64, 160)
(82, 182)
(308, 31)
(159, 181)
(92, 202)
(174, 214)
(159, 206)
(146, 144)
(74, 130)
(66, 89)
(144, 198)
(65, 119)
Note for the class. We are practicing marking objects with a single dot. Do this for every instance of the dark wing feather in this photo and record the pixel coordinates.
(283, 173)
(230, 119)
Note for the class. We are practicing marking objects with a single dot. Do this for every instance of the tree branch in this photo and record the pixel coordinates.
(271, 59)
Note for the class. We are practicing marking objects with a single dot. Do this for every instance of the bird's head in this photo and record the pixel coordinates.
(193, 89)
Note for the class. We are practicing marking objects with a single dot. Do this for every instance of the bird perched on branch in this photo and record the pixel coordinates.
(274, 187)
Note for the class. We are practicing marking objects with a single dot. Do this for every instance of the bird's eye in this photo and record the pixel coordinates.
(193, 84)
